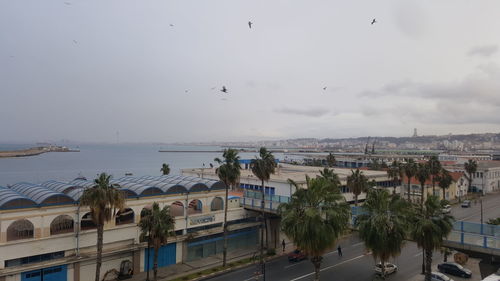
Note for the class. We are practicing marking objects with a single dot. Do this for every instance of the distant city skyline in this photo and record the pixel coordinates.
(154, 71)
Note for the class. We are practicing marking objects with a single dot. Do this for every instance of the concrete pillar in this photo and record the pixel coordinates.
(136, 261)
(76, 271)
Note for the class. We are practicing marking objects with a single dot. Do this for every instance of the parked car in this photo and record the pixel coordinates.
(446, 209)
(466, 204)
(454, 269)
(436, 276)
(389, 268)
(493, 277)
(296, 255)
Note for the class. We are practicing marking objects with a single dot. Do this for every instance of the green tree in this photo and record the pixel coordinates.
(357, 183)
(103, 199)
(229, 173)
(435, 170)
(165, 169)
(444, 181)
(156, 225)
(330, 175)
(429, 227)
(374, 164)
(422, 175)
(410, 169)
(315, 218)
(330, 160)
(263, 168)
(395, 173)
(470, 168)
(383, 224)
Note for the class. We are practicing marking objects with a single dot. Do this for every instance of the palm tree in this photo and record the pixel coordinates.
(394, 173)
(357, 183)
(383, 225)
(444, 181)
(314, 218)
(104, 200)
(330, 160)
(429, 227)
(410, 169)
(262, 168)
(229, 173)
(435, 169)
(330, 175)
(165, 169)
(422, 174)
(470, 167)
(156, 225)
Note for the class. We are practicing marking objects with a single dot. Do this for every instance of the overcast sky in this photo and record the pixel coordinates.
(85, 69)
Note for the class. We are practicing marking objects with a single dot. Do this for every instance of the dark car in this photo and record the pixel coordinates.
(296, 255)
(454, 269)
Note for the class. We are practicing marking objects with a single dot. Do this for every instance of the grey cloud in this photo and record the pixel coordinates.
(483, 51)
(410, 18)
(310, 112)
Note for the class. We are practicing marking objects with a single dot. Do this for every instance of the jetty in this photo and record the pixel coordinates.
(35, 151)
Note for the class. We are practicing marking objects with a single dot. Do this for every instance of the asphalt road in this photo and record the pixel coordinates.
(356, 264)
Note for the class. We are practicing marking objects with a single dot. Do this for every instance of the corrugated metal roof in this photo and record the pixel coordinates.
(39, 194)
(8, 195)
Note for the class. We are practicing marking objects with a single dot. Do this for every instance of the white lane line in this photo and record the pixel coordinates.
(418, 254)
(292, 265)
(331, 253)
(357, 244)
(328, 267)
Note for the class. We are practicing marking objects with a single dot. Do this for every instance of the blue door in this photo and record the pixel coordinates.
(56, 273)
(166, 256)
(35, 275)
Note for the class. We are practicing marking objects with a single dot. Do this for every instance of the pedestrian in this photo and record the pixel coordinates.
(283, 244)
(339, 250)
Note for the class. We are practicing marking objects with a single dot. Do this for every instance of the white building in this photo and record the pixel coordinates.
(45, 235)
(487, 177)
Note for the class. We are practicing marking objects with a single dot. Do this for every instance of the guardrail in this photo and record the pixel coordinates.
(477, 228)
(465, 238)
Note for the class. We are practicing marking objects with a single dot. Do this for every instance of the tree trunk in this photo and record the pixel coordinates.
(100, 232)
(382, 262)
(394, 187)
(317, 266)
(224, 249)
(155, 262)
(409, 199)
(428, 264)
(355, 200)
(262, 225)
(444, 193)
(267, 232)
(422, 196)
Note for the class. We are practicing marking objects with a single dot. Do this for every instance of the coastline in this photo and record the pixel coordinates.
(34, 151)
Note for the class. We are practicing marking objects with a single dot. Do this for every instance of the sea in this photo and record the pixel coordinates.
(114, 159)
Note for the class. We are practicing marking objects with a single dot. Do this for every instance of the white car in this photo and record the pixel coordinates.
(446, 209)
(438, 276)
(493, 277)
(389, 268)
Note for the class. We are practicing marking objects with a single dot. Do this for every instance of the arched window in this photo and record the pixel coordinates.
(62, 224)
(177, 209)
(20, 229)
(217, 204)
(125, 216)
(195, 207)
(87, 222)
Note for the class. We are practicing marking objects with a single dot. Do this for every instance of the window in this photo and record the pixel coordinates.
(61, 224)
(20, 229)
(34, 259)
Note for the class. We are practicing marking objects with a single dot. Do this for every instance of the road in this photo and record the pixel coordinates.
(356, 264)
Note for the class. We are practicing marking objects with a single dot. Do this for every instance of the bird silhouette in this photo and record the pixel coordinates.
(250, 24)
(224, 90)
(67, 3)
(74, 41)
(374, 21)
(171, 25)
(185, 91)
(324, 88)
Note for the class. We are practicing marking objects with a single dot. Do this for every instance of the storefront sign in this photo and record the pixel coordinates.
(201, 220)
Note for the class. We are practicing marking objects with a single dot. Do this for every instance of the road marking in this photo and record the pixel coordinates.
(357, 244)
(331, 253)
(292, 265)
(417, 254)
(328, 267)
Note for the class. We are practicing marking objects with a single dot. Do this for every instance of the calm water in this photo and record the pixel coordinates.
(113, 159)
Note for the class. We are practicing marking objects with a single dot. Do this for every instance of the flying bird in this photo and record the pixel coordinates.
(374, 21)
(171, 25)
(74, 41)
(324, 88)
(250, 24)
(67, 3)
(224, 90)
(185, 91)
